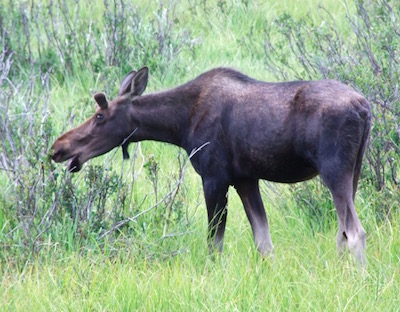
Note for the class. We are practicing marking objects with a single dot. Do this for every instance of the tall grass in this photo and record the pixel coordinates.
(304, 275)
(132, 235)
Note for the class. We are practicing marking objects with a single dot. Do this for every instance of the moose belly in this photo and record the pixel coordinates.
(284, 168)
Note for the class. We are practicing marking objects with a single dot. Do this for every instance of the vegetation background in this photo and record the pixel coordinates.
(132, 235)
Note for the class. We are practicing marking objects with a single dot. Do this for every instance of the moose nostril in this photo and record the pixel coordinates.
(53, 155)
(57, 155)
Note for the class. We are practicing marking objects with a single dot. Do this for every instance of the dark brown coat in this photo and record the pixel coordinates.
(248, 130)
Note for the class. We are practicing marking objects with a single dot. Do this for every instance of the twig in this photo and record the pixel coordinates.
(173, 190)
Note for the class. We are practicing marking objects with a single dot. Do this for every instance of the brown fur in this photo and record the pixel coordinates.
(283, 132)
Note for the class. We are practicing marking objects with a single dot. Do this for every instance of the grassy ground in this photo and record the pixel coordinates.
(169, 269)
(304, 275)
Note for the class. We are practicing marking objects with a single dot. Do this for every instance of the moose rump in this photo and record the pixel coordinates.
(248, 130)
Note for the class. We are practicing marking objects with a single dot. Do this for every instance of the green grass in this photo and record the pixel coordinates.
(154, 266)
(303, 275)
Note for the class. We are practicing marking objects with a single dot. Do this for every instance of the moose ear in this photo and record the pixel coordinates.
(126, 83)
(134, 83)
(101, 100)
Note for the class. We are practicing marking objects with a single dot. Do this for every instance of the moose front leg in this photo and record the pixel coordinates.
(215, 194)
(249, 192)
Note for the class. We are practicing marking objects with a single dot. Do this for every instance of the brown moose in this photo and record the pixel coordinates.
(249, 130)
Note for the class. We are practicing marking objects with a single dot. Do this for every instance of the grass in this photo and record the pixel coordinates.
(304, 275)
(154, 266)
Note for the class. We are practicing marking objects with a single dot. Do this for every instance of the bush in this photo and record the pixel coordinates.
(43, 205)
(62, 37)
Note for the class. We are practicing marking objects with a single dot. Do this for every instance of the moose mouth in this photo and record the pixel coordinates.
(74, 164)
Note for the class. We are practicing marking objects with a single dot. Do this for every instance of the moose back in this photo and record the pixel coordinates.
(250, 130)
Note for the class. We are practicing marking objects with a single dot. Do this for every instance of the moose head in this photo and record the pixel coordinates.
(109, 127)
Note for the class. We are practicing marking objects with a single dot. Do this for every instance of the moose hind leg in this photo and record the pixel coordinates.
(249, 193)
(215, 194)
(351, 233)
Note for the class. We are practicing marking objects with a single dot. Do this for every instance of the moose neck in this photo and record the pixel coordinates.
(163, 116)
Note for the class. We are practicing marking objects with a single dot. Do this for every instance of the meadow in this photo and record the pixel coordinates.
(131, 235)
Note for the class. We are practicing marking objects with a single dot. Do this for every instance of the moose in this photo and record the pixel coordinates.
(249, 130)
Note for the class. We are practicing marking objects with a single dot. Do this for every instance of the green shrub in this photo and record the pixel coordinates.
(66, 38)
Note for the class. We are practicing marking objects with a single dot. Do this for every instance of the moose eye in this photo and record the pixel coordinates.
(99, 117)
